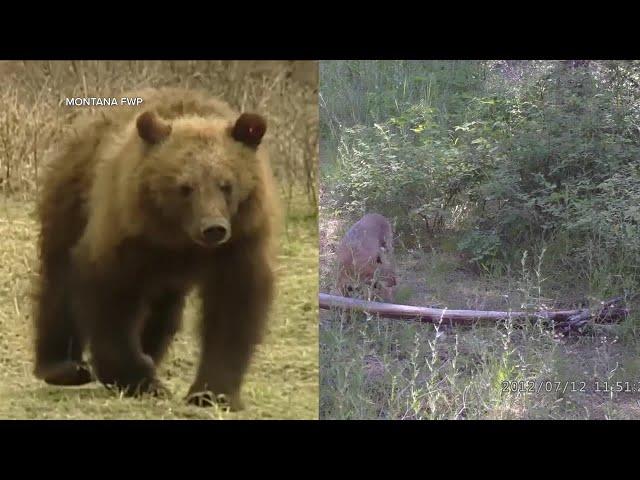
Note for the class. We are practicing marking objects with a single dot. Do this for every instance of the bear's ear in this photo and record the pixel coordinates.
(151, 128)
(249, 129)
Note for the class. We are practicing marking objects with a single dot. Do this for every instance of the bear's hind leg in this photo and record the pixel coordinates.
(58, 343)
(112, 313)
(162, 324)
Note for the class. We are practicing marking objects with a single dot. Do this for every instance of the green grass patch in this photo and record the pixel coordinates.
(283, 379)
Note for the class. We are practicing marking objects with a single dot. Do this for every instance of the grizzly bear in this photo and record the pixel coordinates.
(140, 205)
(365, 258)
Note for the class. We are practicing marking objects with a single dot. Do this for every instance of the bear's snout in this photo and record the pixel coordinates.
(216, 232)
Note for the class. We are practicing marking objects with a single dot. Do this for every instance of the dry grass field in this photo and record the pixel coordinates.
(283, 380)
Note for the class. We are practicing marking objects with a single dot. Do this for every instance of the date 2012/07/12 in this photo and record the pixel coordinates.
(523, 386)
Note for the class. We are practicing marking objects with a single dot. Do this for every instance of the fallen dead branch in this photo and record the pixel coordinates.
(565, 321)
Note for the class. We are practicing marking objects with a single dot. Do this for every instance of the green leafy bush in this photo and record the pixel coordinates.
(507, 156)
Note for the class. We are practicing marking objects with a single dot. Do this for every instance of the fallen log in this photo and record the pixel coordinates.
(566, 320)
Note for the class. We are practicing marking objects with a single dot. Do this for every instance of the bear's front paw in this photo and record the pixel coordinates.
(232, 403)
(147, 386)
(66, 373)
(133, 378)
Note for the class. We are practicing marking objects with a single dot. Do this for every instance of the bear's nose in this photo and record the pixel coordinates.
(214, 235)
(215, 232)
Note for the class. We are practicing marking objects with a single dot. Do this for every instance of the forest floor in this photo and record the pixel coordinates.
(282, 382)
(376, 368)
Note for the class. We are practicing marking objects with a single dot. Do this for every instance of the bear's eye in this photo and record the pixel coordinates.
(186, 190)
(226, 188)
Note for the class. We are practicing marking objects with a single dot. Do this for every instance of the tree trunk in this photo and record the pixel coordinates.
(566, 319)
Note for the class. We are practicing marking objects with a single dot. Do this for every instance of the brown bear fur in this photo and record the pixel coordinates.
(138, 206)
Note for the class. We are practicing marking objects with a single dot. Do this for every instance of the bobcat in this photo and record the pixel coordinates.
(365, 258)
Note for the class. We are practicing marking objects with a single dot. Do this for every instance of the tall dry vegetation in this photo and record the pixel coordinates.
(33, 114)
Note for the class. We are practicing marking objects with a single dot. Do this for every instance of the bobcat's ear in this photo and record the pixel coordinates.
(249, 129)
(151, 128)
